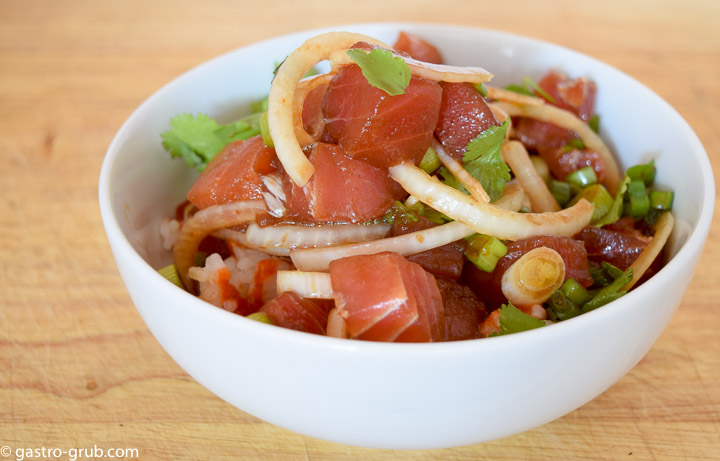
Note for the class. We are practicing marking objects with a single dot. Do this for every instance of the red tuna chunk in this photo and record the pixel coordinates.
(463, 115)
(381, 129)
(289, 310)
(417, 48)
(234, 174)
(384, 297)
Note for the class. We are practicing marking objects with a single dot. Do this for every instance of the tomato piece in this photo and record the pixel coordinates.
(488, 285)
(234, 174)
(289, 310)
(463, 115)
(417, 48)
(373, 126)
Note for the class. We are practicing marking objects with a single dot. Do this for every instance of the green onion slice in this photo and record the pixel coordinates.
(579, 179)
(170, 273)
(485, 251)
(637, 203)
(430, 161)
(265, 130)
(661, 200)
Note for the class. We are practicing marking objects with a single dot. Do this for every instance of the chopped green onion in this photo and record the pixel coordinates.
(401, 213)
(637, 202)
(561, 308)
(661, 200)
(561, 192)
(610, 292)
(599, 197)
(594, 123)
(260, 106)
(435, 216)
(430, 161)
(541, 167)
(575, 292)
(616, 208)
(519, 89)
(610, 270)
(265, 130)
(531, 85)
(644, 172)
(170, 273)
(579, 179)
(652, 217)
(598, 276)
(481, 89)
(485, 251)
(524, 209)
(261, 317)
(575, 143)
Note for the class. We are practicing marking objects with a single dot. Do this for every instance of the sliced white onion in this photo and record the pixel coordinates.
(570, 121)
(336, 326)
(203, 223)
(512, 198)
(461, 174)
(274, 206)
(273, 182)
(534, 277)
(281, 100)
(502, 94)
(318, 259)
(663, 228)
(307, 284)
(487, 218)
(426, 70)
(325, 235)
(518, 160)
(279, 240)
(239, 239)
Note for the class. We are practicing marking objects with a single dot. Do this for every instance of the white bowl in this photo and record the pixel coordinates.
(400, 395)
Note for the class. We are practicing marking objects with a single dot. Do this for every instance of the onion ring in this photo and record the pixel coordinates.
(568, 120)
(663, 227)
(426, 70)
(281, 99)
(202, 224)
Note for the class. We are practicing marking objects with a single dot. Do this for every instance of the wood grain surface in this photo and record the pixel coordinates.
(79, 368)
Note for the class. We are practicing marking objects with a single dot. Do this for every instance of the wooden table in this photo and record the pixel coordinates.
(79, 368)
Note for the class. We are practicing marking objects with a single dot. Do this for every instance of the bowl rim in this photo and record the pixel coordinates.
(683, 258)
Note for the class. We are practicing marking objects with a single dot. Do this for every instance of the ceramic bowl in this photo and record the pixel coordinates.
(400, 395)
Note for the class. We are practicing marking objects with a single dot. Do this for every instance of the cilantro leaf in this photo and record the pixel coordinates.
(382, 69)
(483, 160)
(197, 139)
(513, 320)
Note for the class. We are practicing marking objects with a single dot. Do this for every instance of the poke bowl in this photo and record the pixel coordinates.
(400, 395)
